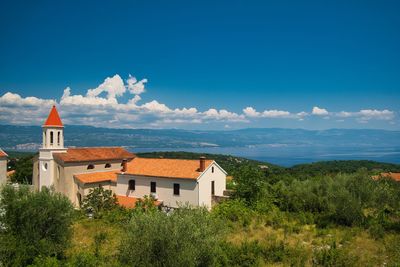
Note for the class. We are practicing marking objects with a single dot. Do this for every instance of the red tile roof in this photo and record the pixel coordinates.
(3, 154)
(174, 168)
(130, 202)
(92, 154)
(53, 119)
(97, 177)
(393, 175)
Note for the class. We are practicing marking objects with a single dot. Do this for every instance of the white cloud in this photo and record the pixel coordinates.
(319, 111)
(365, 115)
(368, 114)
(113, 86)
(223, 115)
(119, 104)
(154, 106)
(273, 113)
(134, 86)
(10, 99)
(276, 114)
(251, 112)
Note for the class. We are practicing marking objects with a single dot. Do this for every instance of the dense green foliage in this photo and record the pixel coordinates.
(33, 224)
(23, 168)
(99, 200)
(334, 167)
(184, 238)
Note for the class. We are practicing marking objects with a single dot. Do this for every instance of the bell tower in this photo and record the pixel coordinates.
(53, 141)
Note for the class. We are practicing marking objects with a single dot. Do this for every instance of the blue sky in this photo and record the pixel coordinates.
(280, 58)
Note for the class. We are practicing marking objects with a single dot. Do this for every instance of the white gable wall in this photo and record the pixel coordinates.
(3, 170)
(164, 189)
(219, 178)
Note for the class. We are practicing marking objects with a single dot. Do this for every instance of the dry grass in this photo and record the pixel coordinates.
(357, 242)
(84, 232)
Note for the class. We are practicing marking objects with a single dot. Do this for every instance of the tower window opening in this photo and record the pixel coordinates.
(58, 138)
(51, 138)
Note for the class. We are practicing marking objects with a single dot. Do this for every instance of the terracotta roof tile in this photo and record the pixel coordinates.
(174, 168)
(97, 177)
(53, 119)
(3, 154)
(130, 202)
(394, 175)
(91, 154)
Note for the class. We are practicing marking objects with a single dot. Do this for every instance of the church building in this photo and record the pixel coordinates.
(74, 171)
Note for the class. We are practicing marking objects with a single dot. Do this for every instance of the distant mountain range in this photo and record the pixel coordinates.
(280, 145)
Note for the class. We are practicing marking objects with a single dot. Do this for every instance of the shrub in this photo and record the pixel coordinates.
(46, 262)
(185, 237)
(331, 256)
(83, 259)
(33, 224)
(234, 210)
(98, 201)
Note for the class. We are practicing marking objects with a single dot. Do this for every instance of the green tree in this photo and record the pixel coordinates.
(33, 224)
(146, 204)
(23, 170)
(251, 184)
(99, 200)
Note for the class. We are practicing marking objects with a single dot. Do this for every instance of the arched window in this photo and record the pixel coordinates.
(108, 165)
(51, 138)
(132, 184)
(212, 169)
(90, 167)
(58, 172)
(58, 137)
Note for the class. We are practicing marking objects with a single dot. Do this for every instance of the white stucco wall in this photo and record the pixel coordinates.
(194, 192)
(164, 189)
(219, 178)
(65, 182)
(3, 170)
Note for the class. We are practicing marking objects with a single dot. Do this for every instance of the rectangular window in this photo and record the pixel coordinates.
(132, 184)
(177, 189)
(153, 187)
(212, 187)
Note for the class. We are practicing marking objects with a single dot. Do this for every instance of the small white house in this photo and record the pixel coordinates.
(172, 181)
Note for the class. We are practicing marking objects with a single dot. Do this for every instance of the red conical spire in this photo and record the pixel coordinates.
(54, 118)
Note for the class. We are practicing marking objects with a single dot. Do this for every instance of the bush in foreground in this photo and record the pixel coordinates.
(186, 237)
(33, 224)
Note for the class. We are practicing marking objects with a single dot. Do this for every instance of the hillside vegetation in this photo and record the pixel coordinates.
(321, 214)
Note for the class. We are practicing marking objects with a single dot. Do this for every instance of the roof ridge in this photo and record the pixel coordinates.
(54, 118)
(3, 152)
(85, 147)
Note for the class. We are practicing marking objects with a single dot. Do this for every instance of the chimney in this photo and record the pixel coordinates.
(202, 164)
(124, 165)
